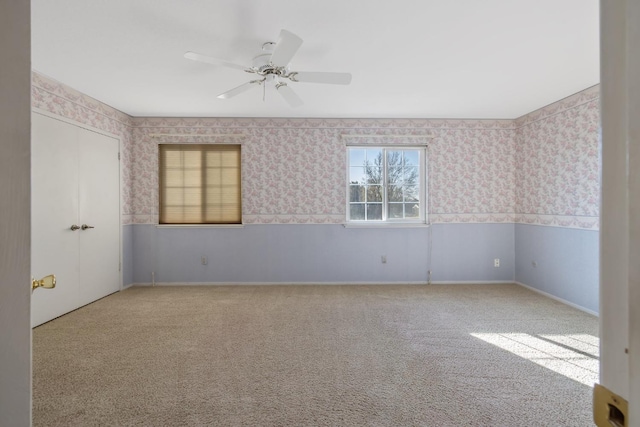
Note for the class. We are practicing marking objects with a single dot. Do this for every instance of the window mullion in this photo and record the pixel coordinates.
(203, 180)
(384, 184)
(422, 156)
(366, 187)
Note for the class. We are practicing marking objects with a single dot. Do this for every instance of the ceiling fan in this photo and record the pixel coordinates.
(271, 67)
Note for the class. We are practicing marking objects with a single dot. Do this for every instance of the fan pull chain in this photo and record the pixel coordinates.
(264, 92)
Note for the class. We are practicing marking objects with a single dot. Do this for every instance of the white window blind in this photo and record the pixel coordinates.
(200, 184)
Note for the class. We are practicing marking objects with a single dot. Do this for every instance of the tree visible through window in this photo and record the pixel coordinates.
(200, 184)
(385, 184)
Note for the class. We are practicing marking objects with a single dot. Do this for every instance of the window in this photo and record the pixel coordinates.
(200, 184)
(386, 184)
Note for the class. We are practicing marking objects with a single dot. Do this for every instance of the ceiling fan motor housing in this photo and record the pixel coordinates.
(262, 65)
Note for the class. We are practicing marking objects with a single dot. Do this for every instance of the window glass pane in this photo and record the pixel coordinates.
(223, 158)
(411, 193)
(192, 196)
(173, 197)
(191, 159)
(213, 177)
(395, 210)
(214, 195)
(356, 193)
(220, 195)
(385, 183)
(394, 193)
(374, 175)
(221, 214)
(192, 178)
(213, 159)
(356, 212)
(176, 213)
(172, 158)
(174, 178)
(374, 193)
(356, 175)
(411, 175)
(394, 175)
(411, 157)
(228, 176)
(374, 157)
(412, 210)
(374, 211)
(394, 158)
(356, 156)
(234, 195)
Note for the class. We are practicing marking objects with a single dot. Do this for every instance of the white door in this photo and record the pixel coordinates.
(54, 209)
(99, 193)
(75, 181)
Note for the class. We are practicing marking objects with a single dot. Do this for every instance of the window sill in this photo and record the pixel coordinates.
(199, 225)
(385, 225)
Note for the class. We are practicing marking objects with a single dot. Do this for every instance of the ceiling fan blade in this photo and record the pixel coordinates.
(321, 77)
(238, 90)
(286, 46)
(289, 95)
(209, 60)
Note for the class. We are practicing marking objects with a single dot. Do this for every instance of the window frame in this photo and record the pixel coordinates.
(204, 148)
(422, 190)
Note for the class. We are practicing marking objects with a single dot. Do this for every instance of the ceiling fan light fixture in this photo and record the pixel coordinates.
(273, 64)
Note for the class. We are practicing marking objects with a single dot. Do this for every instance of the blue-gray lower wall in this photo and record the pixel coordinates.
(127, 255)
(566, 259)
(279, 254)
(322, 254)
(566, 262)
(466, 252)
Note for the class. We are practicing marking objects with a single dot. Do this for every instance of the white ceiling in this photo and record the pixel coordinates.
(409, 58)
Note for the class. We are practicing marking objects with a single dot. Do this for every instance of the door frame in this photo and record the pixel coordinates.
(15, 229)
(35, 110)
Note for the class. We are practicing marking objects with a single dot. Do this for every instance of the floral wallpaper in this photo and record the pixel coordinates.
(471, 173)
(557, 178)
(294, 170)
(539, 169)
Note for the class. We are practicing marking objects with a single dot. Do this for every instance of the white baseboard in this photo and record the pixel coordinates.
(273, 283)
(472, 282)
(459, 282)
(564, 301)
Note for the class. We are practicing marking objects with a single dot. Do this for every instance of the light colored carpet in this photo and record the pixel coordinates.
(459, 355)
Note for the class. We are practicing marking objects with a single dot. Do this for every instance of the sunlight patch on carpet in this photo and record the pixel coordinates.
(574, 356)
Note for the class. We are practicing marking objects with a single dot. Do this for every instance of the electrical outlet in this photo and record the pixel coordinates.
(383, 259)
(496, 262)
(204, 260)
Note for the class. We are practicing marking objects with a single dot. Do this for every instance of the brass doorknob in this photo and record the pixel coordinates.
(47, 282)
(85, 226)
